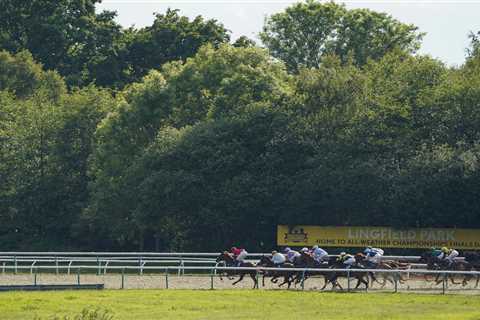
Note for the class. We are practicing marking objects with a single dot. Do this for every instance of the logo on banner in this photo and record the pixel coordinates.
(296, 235)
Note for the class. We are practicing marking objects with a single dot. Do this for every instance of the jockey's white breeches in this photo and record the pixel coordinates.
(241, 257)
(320, 257)
(451, 257)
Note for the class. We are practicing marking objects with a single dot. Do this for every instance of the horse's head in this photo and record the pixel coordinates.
(224, 256)
(265, 261)
(426, 257)
(359, 257)
(332, 260)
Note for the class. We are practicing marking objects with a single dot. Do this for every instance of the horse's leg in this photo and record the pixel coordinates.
(427, 279)
(452, 277)
(338, 284)
(255, 281)
(240, 279)
(285, 280)
(263, 280)
(289, 279)
(327, 281)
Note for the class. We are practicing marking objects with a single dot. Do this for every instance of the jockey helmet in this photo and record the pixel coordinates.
(274, 252)
(343, 253)
(445, 249)
(304, 249)
(315, 247)
(287, 250)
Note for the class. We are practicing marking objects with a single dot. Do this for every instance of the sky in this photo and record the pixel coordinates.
(447, 23)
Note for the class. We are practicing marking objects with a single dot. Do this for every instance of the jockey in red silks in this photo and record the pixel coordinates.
(239, 255)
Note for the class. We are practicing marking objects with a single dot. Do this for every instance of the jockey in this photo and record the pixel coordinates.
(305, 251)
(319, 255)
(448, 255)
(292, 255)
(373, 256)
(436, 252)
(278, 258)
(239, 255)
(347, 259)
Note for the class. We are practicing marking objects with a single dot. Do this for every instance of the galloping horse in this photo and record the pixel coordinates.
(354, 273)
(288, 276)
(473, 258)
(307, 261)
(385, 265)
(229, 261)
(433, 263)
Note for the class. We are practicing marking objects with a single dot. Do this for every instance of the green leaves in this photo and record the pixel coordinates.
(307, 32)
(213, 139)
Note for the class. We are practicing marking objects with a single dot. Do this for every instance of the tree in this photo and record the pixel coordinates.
(214, 85)
(171, 37)
(474, 50)
(67, 36)
(306, 32)
(24, 77)
(244, 42)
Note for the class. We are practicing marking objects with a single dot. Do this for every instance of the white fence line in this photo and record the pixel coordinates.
(257, 269)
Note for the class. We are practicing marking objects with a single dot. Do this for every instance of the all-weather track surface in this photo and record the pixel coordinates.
(239, 304)
(416, 284)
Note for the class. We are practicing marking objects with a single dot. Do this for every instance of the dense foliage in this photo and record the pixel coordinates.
(169, 138)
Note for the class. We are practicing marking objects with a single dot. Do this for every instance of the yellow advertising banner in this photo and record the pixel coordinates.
(377, 236)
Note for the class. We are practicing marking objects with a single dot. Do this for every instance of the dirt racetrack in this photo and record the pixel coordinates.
(159, 281)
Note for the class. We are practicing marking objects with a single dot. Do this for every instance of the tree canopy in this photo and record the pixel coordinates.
(170, 138)
(307, 32)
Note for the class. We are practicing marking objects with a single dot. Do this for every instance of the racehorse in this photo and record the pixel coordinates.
(433, 263)
(307, 261)
(354, 272)
(229, 261)
(288, 276)
(385, 265)
(473, 258)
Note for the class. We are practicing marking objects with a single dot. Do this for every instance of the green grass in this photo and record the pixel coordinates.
(239, 304)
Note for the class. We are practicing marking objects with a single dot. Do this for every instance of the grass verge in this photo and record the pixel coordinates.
(238, 304)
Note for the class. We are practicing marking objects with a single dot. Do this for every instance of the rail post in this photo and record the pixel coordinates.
(256, 279)
(181, 270)
(303, 280)
(166, 278)
(78, 276)
(396, 282)
(348, 280)
(99, 270)
(35, 278)
(211, 278)
(443, 284)
(123, 278)
(140, 263)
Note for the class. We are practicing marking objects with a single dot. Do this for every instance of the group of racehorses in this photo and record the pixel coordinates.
(265, 267)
